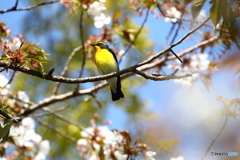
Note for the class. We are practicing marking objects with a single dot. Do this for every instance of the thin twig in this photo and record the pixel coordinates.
(61, 118)
(27, 8)
(161, 78)
(83, 47)
(56, 130)
(75, 50)
(169, 34)
(11, 79)
(219, 133)
(172, 45)
(176, 56)
(8, 116)
(177, 31)
(16, 4)
(135, 37)
(49, 113)
(82, 41)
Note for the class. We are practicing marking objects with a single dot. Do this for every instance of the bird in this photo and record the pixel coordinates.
(106, 62)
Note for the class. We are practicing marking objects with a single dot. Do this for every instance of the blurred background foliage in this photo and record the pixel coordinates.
(57, 31)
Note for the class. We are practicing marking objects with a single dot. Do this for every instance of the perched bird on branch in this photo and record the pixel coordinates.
(106, 62)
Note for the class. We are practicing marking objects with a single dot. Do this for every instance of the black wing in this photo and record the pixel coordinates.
(114, 55)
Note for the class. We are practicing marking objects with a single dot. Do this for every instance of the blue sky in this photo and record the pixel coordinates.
(189, 110)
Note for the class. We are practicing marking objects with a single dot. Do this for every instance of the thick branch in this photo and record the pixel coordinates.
(58, 98)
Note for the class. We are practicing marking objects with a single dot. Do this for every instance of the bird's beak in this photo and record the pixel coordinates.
(93, 44)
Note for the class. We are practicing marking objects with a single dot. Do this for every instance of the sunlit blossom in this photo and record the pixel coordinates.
(25, 136)
(3, 81)
(172, 14)
(178, 158)
(202, 16)
(101, 20)
(99, 140)
(149, 155)
(95, 10)
(14, 44)
(198, 63)
(23, 97)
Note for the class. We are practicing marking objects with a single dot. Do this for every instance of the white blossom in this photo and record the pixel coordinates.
(172, 14)
(95, 10)
(178, 158)
(14, 44)
(23, 97)
(101, 20)
(25, 136)
(149, 155)
(3, 82)
(43, 151)
(198, 64)
(111, 142)
(201, 16)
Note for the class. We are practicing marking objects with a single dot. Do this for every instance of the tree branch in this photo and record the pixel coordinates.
(96, 78)
(219, 133)
(8, 116)
(54, 113)
(27, 8)
(58, 98)
(161, 77)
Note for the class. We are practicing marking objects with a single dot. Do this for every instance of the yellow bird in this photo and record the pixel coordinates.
(106, 62)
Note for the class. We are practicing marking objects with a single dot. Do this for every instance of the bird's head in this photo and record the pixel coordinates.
(99, 45)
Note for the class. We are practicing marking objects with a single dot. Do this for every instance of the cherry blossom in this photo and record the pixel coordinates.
(197, 64)
(172, 14)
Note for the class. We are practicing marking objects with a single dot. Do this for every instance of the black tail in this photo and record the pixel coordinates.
(119, 94)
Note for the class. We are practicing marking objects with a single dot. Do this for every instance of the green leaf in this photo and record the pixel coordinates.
(216, 11)
(36, 54)
(229, 18)
(116, 16)
(5, 129)
(196, 7)
(4, 58)
(128, 34)
(40, 68)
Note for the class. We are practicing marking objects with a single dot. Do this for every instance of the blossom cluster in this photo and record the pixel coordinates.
(196, 64)
(95, 10)
(23, 140)
(98, 142)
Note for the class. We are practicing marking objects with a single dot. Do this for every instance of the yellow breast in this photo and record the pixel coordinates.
(105, 61)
